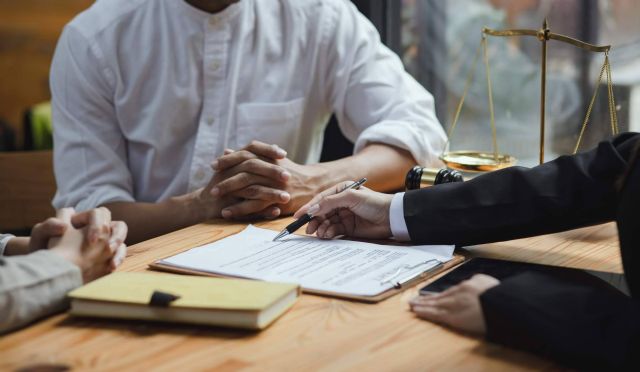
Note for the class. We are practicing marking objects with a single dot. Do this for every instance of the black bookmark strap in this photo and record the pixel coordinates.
(162, 299)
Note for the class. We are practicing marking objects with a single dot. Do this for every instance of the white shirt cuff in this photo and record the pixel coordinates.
(396, 218)
(4, 239)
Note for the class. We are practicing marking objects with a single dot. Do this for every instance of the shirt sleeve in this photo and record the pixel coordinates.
(4, 239)
(33, 286)
(90, 158)
(396, 218)
(373, 97)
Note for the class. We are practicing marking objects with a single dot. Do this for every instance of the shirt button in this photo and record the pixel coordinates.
(215, 66)
(210, 121)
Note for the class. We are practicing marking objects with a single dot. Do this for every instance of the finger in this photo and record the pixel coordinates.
(51, 227)
(253, 151)
(241, 181)
(449, 303)
(244, 208)
(259, 192)
(65, 214)
(98, 222)
(348, 220)
(313, 225)
(270, 212)
(328, 204)
(322, 229)
(119, 256)
(421, 299)
(266, 150)
(316, 199)
(253, 167)
(264, 193)
(334, 230)
(119, 231)
(432, 314)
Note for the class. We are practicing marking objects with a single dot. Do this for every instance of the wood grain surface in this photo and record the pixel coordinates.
(317, 334)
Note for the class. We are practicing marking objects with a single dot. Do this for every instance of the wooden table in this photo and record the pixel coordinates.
(317, 334)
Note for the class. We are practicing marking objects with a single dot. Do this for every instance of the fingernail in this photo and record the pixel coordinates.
(214, 164)
(285, 175)
(313, 209)
(284, 196)
(113, 244)
(226, 213)
(275, 212)
(214, 191)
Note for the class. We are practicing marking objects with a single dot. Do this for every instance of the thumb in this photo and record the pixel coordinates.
(65, 214)
(347, 199)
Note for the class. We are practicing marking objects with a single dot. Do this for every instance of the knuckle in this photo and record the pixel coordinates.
(252, 191)
(244, 178)
(253, 164)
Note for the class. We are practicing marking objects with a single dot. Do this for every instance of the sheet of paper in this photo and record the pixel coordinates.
(340, 266)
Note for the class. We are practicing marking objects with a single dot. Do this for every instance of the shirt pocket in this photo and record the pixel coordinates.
(273, 123)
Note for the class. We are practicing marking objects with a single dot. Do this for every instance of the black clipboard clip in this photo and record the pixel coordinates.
(402, 269)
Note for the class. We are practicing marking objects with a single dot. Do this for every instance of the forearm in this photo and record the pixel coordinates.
(384, 166)
(148, 220)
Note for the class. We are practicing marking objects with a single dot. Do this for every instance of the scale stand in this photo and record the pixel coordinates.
(479, 161)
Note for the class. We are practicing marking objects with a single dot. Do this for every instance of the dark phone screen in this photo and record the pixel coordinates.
(502, 269)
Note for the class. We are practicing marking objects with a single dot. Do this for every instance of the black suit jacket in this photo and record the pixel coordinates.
(581, 326)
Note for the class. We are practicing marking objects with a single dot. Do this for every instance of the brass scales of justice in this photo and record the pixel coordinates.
(481, 161)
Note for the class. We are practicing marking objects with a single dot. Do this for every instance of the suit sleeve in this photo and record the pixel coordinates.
(567, 193)
(33, 286)
(584, 327)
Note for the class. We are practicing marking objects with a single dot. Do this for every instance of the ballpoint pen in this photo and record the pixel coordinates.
(295, 225)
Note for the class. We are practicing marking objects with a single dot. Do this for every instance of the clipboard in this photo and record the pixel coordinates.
(401, 284)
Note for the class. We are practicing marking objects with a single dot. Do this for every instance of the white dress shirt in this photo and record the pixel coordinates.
(399, 228)
(147, 93)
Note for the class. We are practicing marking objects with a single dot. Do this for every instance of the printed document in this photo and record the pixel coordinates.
(335, 266)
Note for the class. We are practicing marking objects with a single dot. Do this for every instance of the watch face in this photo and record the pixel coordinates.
(501, 270)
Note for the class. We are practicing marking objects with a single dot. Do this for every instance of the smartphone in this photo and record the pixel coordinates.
(502, 269)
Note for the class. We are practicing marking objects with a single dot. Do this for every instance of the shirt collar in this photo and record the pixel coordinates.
(226, 15)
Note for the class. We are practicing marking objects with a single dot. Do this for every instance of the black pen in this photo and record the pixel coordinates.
(295, 225)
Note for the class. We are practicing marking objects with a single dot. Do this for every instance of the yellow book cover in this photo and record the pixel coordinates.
(201, 300)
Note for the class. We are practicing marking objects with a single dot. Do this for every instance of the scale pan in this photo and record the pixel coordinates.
(477, 161)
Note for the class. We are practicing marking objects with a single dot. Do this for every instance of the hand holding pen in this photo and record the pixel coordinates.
(361, 213)
(303, 219)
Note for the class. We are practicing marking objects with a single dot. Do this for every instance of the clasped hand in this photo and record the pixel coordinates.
(259, 181)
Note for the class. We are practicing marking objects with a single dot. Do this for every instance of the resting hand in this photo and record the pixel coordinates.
(92, 242)
(457, 307)
(40, 235)
(361, 213)
(263, 181)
